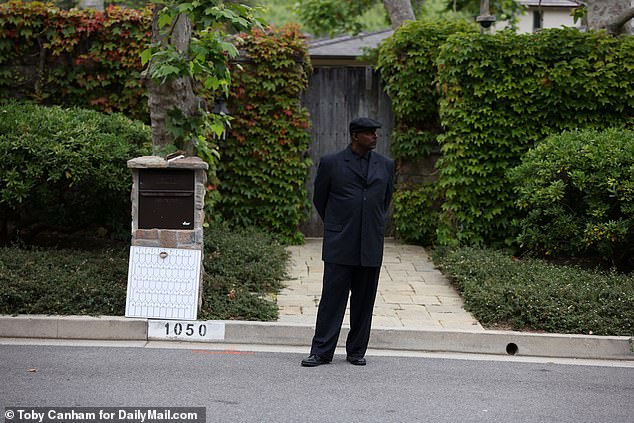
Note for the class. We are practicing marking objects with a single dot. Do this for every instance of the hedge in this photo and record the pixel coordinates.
(406, 62)
(527, 294)
(65, 169)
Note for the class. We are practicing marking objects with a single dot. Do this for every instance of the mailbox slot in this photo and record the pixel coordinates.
(166, 199)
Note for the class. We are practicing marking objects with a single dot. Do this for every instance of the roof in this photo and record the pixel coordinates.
(550, 3)
(346, 46)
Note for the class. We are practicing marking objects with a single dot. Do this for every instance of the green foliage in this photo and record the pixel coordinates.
(577, 194)
(330, 17)
(242, 267)
(63, 281)
(78, 57)
(416, 213)
(407, 65)
(67, 167)
(503, 93)
(532, 294)
(265, 162)
(266, 93)
(487, 100)
(206, 61)
(412, 143)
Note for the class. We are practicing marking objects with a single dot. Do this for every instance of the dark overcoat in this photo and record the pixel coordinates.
(352, 208)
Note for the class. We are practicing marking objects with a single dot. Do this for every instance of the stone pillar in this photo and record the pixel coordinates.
(191, 239)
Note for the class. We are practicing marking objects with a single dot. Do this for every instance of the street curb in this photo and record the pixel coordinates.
(274, 333)
(73, 327)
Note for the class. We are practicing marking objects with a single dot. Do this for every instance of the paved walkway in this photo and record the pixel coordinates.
(412, 294)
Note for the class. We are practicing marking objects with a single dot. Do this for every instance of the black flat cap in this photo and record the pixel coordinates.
(363, 124)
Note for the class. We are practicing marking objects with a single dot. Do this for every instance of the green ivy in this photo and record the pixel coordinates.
(486, 99)
(264, 160)
(78, 57)
(412, 223)
(407, 65)
(500, 95)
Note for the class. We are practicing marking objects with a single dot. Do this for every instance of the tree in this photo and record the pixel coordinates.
(611, 15)
(189, 53)
(167, 95)
(336, 16)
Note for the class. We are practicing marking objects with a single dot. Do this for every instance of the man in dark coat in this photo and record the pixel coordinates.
(353, 189)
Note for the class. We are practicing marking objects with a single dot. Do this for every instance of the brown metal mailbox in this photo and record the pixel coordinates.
(166, 199)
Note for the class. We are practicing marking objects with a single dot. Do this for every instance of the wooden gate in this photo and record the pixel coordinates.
(335, 96)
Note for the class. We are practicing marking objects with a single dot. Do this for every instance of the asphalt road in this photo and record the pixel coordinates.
(247, 386)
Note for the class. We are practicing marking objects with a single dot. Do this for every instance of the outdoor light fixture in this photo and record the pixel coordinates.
(485, 19)
(220, 107)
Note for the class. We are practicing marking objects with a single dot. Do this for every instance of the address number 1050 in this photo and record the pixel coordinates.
(186, 330)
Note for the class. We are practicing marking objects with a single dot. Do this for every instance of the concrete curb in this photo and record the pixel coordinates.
(274, 333)
(73, 327)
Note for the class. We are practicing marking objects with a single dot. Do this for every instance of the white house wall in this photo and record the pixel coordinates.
(553, 18)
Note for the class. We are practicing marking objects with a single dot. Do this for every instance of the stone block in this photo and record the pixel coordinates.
(168, 238)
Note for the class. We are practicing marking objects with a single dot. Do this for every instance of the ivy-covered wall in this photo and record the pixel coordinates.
(77, 58)
(265, 159)
(495, 96)
(407, 64)
(500, 95)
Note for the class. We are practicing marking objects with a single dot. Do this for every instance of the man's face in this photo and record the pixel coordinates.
(366, 140)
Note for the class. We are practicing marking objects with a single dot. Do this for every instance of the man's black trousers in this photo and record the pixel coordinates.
(339, 281)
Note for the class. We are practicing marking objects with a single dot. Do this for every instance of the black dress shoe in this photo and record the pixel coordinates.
(357, 361)
(314, 360)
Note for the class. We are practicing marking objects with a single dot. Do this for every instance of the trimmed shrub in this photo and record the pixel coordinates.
(66, 169)
(577, 192)
(63, 281)
(501, 290)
